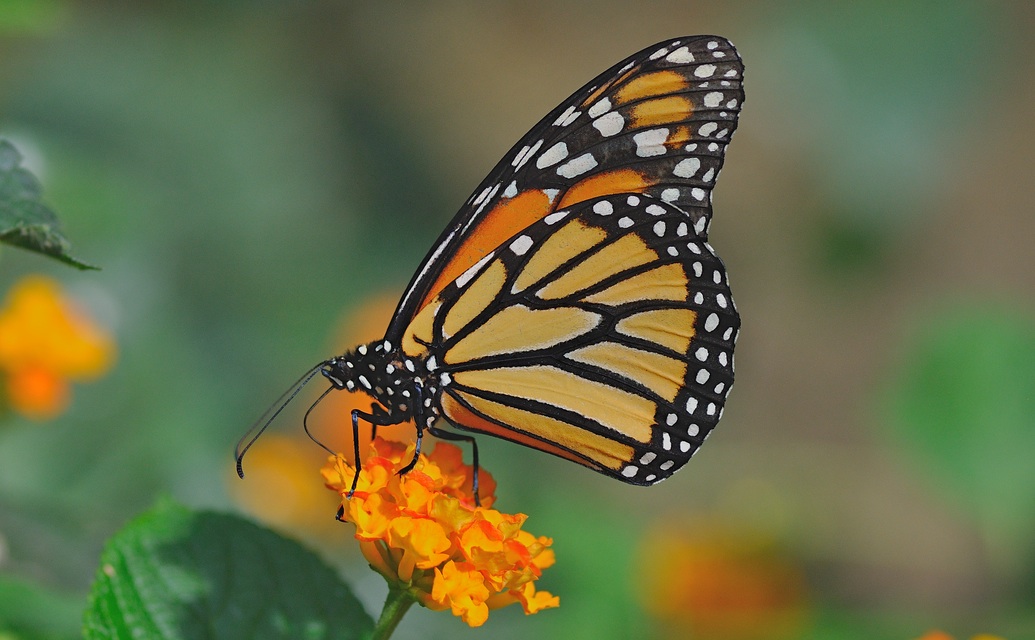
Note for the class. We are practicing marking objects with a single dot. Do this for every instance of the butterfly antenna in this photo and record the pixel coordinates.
(260, 425)
(305, 420)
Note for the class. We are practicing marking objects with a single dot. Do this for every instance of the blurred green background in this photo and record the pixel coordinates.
(249, 173)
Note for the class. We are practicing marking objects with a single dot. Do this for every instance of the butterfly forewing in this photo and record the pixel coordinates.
(656, 124)
(602, 333)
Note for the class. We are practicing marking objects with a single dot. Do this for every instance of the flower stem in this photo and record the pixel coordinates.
(397, 604)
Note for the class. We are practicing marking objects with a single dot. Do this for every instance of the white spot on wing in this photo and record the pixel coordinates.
(555, 217)
(712, 99)
(681, 55)
(600, 108)
(651, 143)
(687, 168)
(577, 166)
(705, 71)
(609, 124)
(711, 322)
(466, 276)
(488, 197)
(564, 115)
(526, 153)
(603, 208)
(552, 156)
(521, 245)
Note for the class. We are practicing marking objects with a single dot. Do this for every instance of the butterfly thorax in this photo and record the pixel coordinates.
(402, 385)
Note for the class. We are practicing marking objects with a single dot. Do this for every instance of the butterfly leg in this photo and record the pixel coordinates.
(420, 420)
(382, 415)
(416, 452)
(459, 437)
(374, 419)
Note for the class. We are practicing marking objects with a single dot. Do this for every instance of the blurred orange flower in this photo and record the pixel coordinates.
(718, 582)
(423, 533)
(46, 341)
(941, 635)
(331, 420)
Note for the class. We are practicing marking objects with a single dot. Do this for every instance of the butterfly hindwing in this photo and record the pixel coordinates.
(602, 333)
(656, 124)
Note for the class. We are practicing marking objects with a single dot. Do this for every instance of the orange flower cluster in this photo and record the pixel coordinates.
(422, 532)
(45, 342)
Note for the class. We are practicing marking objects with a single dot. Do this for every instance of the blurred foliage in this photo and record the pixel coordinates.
(247, 178)
(965, 405)
(30, 611)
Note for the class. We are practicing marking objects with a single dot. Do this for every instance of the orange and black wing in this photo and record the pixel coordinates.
(655, 124)
(602, 333)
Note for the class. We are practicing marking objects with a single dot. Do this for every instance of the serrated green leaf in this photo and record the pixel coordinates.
(24, 220)
(175, 574)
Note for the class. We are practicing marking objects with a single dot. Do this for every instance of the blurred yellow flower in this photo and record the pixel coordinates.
(718, 582)
(280, 490)
(46, 341)
(424, 534)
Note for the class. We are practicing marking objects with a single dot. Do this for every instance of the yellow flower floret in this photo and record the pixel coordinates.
(423, 532)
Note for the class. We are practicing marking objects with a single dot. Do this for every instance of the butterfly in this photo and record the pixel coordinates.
(573, 304)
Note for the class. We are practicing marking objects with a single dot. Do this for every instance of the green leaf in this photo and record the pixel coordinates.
(177, 574)
(964, 406)
(24, 220)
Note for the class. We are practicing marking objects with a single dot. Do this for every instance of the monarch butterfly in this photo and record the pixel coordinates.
(574, 304)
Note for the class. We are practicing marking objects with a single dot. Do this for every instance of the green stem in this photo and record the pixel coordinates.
(397, 604)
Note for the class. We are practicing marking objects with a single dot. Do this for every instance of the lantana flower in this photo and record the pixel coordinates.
(423, 532)
(45, 342)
